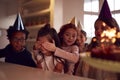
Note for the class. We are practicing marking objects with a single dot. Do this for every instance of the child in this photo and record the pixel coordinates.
(82, 37)
(16, 51)
(69, 51)
(81, 41)
(44, 58)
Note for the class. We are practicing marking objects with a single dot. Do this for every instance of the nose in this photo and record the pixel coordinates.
(70, 37)
(19, 42)
(99, 31)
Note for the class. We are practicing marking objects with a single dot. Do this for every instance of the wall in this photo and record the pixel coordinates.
(7, 18)
(3, 38)
(58, 14)
(2, 14)
(64, 10)
(7, 14)
(71, 9)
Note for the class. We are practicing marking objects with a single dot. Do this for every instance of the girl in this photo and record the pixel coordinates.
(82, 37)
(44, 58)
(100, 26)
(69, 51)
(81, 41)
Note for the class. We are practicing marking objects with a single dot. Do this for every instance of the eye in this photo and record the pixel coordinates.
(67, 34)
(96, 28)
(73, 36)
(17, 39)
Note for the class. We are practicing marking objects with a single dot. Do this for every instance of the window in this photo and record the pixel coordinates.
(89, 24)
(117, 4)
(91, 8)
(117, 17)
(91, 5)
(115, 9)
(114, 4)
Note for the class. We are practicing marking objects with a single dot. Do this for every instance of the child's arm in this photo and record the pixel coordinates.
(66, 55)
(60, 52)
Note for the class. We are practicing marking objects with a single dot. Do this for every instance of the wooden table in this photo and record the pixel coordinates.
(10, 71)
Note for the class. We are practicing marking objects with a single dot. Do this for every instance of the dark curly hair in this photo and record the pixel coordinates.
(45, 30)
(11, 30)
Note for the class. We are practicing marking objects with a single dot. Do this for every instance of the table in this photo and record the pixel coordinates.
(9, 71)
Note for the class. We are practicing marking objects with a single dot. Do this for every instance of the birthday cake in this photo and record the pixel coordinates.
(108, 53)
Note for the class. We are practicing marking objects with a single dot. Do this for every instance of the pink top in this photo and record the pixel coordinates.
(72, 56)
(48, 63)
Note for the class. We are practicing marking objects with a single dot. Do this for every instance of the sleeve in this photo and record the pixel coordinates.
(2, 53)
(66, 55)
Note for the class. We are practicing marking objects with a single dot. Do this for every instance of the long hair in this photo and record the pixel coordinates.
(47, 30)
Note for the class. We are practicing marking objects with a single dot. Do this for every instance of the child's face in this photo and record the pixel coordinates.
(69, 37)
(41, 40)
(100, 26)
(81, 39)
(18, 41)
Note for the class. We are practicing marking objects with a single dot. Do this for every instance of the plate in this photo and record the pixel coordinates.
(107, 65)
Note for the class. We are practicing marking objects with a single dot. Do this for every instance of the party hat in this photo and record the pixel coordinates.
(105, 11)
(79, 26)
(73, 21)
(18, 25)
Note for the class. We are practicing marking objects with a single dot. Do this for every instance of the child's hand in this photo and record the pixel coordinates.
(39, 65)
(49, 46)
(59, 67)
